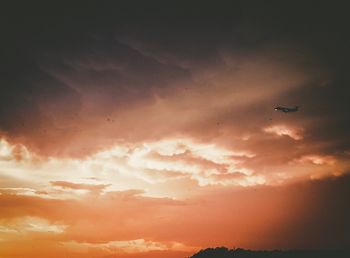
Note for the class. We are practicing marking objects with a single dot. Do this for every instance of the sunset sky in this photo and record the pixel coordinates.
(149, 130)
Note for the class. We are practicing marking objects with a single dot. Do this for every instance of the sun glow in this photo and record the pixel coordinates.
(146, 166)
(129, 167)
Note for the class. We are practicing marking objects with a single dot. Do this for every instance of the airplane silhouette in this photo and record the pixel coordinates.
(286, 109)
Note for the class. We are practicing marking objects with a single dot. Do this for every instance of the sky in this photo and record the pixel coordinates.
(149, 129)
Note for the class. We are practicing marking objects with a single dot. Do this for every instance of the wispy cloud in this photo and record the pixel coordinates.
(295, 133)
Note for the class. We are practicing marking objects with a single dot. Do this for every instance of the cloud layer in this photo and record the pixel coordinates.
(150, 131)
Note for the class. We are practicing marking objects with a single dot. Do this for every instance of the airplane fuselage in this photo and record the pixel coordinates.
(286, 109)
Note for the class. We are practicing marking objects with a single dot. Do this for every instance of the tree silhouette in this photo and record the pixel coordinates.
(223, 252)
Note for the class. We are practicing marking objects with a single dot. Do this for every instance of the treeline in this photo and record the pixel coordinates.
(223, 252)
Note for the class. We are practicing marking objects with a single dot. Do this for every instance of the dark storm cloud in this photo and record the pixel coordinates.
(46, 86)
(56, 59)
(113, 71)
(26, 90)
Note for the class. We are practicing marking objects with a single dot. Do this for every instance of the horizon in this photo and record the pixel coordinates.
(223, 252)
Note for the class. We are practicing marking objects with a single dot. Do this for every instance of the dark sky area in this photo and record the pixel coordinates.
(42, 34)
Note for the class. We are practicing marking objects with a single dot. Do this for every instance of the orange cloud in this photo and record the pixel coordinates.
(129, 247)
(284, 130)
(129, 223)
(22, 225)
(318, 159)
(89, 187)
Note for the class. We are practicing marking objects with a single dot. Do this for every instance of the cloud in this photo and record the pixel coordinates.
(134, 128)
(23, 225)
(74, 186)
(128, 167)
(131, 222)
(152, 165)
(318, 159)
(131, 246)
(283, 130)
(132, 94)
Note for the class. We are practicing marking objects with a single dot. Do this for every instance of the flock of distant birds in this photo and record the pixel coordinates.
(277, 108)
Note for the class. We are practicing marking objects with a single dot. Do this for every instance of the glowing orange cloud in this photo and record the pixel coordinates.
(283, 130)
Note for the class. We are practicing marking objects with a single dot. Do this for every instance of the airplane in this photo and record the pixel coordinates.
(287, 109)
